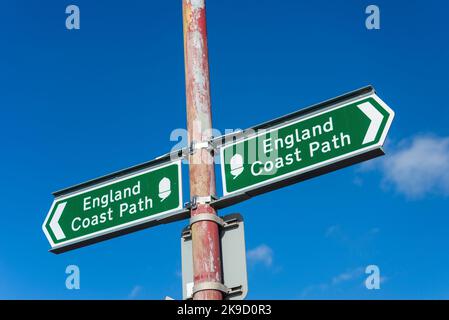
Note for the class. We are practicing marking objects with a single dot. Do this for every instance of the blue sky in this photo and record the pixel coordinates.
(79, 104)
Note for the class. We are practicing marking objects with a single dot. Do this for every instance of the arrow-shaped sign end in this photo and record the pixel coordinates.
(54, 222)
(376, 120)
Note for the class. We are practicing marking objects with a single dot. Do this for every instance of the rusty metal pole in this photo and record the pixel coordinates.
(205, 234)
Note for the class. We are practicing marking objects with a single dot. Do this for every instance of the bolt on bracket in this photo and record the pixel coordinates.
(209, 145)
(200, 200)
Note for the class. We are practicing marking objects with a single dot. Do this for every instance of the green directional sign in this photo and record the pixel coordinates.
(312, 144)
(111, 207)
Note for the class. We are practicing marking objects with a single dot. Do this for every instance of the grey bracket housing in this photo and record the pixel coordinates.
(235, 286)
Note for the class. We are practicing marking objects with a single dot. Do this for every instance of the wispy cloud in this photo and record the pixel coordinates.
(262, 254)
(347, 276)
(417, 167)
(339, 279)
(135, 292)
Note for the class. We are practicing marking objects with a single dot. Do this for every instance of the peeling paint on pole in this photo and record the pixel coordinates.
(205, 234)
(196, 4)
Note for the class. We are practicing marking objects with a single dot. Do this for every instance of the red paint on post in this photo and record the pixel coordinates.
(205, 234)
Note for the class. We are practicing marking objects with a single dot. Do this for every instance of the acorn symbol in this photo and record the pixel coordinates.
(164, 188)
(236, 165)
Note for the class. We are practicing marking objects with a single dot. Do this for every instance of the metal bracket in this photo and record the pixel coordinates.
(207, 217)
(209, 145)
(210, 286)
(187, 232)
(200, 200)
(235, 290)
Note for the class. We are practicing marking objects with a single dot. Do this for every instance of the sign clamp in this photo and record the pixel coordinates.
(207, 217)
(207, 285)
(209, 145)
(210, 285)
(200, 200)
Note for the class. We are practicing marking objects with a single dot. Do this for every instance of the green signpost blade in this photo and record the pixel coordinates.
(114, 207)
(315, 143)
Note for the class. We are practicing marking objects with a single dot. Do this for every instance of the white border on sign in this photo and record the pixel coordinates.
(158, 216)
(317, 165)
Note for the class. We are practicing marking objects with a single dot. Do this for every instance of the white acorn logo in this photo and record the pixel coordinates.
(236, 165)
(164, 188)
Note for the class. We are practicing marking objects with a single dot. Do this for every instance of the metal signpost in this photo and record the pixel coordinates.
(310, 142)
(205, 233)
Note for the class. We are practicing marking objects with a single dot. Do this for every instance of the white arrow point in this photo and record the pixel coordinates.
(54, 223)
(376, 120)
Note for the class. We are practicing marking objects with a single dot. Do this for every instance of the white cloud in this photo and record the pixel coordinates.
(347, 276)
(414, 167)
(419, 166)
(337, 280)
(135, 292)
(313, 289)
(261, 254)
